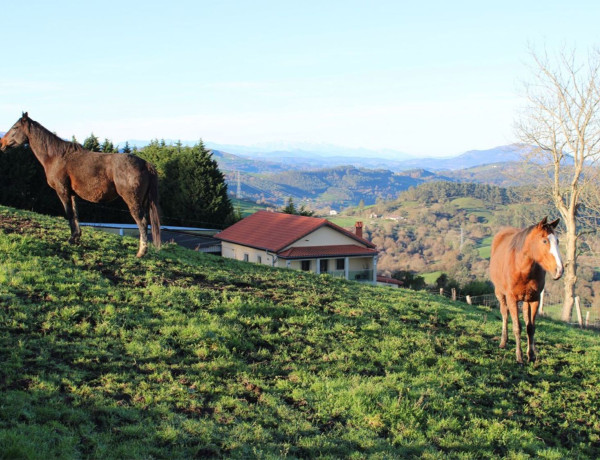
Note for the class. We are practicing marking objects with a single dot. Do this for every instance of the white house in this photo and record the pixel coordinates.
(301, 243)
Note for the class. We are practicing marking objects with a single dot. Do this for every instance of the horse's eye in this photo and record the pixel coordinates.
(545, 241)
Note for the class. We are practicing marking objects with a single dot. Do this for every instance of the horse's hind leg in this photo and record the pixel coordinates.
(138, 213)
(504, 313)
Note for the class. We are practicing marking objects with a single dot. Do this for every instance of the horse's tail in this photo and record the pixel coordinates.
(153, 206)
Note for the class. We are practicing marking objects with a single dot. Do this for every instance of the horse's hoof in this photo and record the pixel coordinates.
(502, 345)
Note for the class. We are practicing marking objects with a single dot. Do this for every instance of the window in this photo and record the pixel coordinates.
(305, 265)
(324, 265)
(259, 259)
(340, 264)
(246, 257)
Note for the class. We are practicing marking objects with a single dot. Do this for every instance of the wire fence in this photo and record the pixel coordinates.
(584, 314)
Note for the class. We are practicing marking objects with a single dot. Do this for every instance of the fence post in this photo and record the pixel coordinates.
(578, 308)
(469, 300)
(454, 294)
(587, 319)
(442, 292)
(541, 309)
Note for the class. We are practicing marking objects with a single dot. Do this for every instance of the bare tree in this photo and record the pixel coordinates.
(561, 122)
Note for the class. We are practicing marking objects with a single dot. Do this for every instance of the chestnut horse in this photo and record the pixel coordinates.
(518, 265)
(97, 177)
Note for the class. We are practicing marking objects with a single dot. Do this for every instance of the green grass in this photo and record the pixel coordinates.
(473, 206)
(344, 222)
(430, 278)
(183, 355)
(485, 247)
(245, 207)
(468, 203)
(485, 252)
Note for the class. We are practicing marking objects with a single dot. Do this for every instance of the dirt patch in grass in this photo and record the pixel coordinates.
(18, 224)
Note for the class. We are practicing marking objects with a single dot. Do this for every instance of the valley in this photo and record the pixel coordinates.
(336, 182)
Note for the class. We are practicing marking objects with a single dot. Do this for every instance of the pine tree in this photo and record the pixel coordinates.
(193, 189)
(107, 146)
(92, 143)
(290, 208)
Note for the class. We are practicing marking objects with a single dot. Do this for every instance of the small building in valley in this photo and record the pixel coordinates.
(301, 243)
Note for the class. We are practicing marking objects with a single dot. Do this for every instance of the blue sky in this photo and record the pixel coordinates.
(431, 78)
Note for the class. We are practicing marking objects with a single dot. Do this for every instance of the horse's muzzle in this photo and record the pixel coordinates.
(558, 273)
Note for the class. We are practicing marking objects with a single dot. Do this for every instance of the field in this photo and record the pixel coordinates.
(430, 278)
(474, 207)
(185, 355)
(246, 207)
(485, 247)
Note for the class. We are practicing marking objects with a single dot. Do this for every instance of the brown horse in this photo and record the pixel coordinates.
(518, 265)
(97, 177)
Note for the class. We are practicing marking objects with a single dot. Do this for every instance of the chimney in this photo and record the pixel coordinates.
(358, 229)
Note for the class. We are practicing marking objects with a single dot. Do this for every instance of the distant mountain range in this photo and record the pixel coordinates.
(373, 159)
(305, 156)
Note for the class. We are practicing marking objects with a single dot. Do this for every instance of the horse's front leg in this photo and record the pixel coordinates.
(68, 201)
(514, 315)
(529, 313)
(504, 312)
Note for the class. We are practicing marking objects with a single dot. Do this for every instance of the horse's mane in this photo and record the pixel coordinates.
(51, 143)
(518, 240)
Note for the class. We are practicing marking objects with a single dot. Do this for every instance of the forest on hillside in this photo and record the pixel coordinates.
(335, 188)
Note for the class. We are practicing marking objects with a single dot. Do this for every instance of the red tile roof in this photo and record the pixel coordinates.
(387, 280)
(273, 231)
(341, 250)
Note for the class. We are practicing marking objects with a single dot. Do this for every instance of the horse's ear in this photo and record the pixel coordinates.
(25, 116)
(553, 224)
(543, 222)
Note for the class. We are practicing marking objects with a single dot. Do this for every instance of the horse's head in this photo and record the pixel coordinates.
(16, 135)
(543, 247)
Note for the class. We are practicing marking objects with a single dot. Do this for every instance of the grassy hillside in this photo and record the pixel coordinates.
(183, 355)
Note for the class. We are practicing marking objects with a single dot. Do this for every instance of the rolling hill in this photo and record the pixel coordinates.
(366, 179)
(336, 187)
(184, 355)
